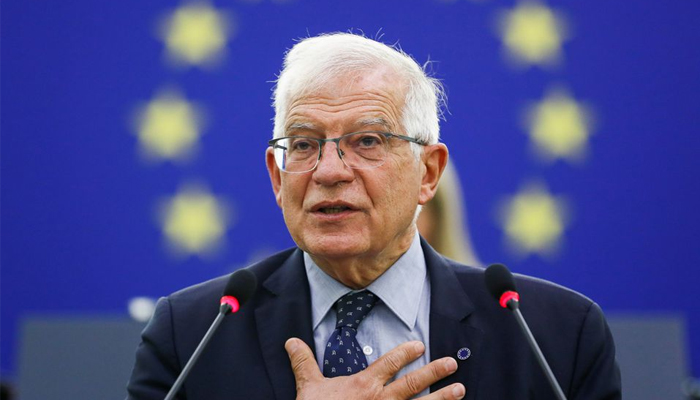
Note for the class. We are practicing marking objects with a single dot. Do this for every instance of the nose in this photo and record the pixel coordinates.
(331, 168)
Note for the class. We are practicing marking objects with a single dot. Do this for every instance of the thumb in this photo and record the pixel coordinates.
(303, 362)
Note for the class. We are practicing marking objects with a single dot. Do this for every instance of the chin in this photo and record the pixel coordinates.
(335, 246)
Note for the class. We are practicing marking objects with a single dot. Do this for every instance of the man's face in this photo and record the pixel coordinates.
(335, 212)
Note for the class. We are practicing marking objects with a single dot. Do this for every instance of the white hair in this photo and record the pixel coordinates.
(315, 62)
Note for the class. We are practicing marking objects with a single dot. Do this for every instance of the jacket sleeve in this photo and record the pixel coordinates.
(596, 373)
(157, 364)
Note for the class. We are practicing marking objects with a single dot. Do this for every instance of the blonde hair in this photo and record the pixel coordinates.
(448, 234)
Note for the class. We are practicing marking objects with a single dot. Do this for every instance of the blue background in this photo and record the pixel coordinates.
(79, 232)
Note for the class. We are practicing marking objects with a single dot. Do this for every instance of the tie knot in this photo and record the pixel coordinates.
(353, 308)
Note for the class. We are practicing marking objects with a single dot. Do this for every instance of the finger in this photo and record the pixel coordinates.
(391, 363)
(303, 362)
(452, 392)
(415, 382)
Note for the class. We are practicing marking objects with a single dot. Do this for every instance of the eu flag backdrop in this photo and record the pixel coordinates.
(133, 136)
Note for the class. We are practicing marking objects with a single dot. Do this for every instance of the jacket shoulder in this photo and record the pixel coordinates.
(212, 290)
(533, 291)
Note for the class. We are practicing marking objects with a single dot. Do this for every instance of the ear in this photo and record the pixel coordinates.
(434, 160)
(275, 177)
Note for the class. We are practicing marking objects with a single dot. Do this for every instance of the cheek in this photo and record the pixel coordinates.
(399, 195)
(291, 195)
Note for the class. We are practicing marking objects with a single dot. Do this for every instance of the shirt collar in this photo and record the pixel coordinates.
(399, 287)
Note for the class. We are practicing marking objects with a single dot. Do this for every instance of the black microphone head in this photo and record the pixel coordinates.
(499, 280)
(241, 285)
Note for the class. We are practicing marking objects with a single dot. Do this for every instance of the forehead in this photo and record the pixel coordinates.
(352, 101)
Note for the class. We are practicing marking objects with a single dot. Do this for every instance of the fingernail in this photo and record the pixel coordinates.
(292, 345)
(458, 391)
(450, 365)
(419, 346)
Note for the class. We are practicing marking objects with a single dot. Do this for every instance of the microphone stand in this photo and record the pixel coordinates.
(223, 310)
(514, 306)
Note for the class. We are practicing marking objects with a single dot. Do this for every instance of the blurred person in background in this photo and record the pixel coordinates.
(442, 221)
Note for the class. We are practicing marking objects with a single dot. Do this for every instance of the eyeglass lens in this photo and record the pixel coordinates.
(357, 150)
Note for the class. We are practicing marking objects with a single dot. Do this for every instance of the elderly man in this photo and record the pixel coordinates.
(364, 308)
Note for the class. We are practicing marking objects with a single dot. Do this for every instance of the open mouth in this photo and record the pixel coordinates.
(333, 210)
(333, 207)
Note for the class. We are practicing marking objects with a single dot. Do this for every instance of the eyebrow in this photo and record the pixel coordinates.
(374, 122)
(309, 126)
(302, 126)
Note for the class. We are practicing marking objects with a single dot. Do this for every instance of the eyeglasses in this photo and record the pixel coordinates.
(359, 150)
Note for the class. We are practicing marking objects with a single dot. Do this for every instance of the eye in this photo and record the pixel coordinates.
(368, 140)
(302, 145)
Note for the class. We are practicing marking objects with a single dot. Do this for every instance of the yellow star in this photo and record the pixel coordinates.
(194, 221)
(532, 34)
(169, 127)
(196, 34)
(534, 221)
(559, 127)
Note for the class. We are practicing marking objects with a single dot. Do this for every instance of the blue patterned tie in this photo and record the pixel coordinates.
(343, 354)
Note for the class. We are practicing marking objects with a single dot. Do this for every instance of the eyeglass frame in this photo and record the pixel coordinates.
(321, 142)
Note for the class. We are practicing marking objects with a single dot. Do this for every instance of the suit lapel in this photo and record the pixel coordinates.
(451, 331)
(285, 314)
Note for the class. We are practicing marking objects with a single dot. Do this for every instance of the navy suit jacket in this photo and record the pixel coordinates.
(246, 357)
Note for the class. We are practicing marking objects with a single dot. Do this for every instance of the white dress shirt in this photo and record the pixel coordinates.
(401, 315)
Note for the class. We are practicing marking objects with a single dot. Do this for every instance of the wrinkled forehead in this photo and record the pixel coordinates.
(366, 80)
(373, 98)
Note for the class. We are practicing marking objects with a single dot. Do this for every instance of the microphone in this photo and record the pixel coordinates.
(500, 283)
(240, 287)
